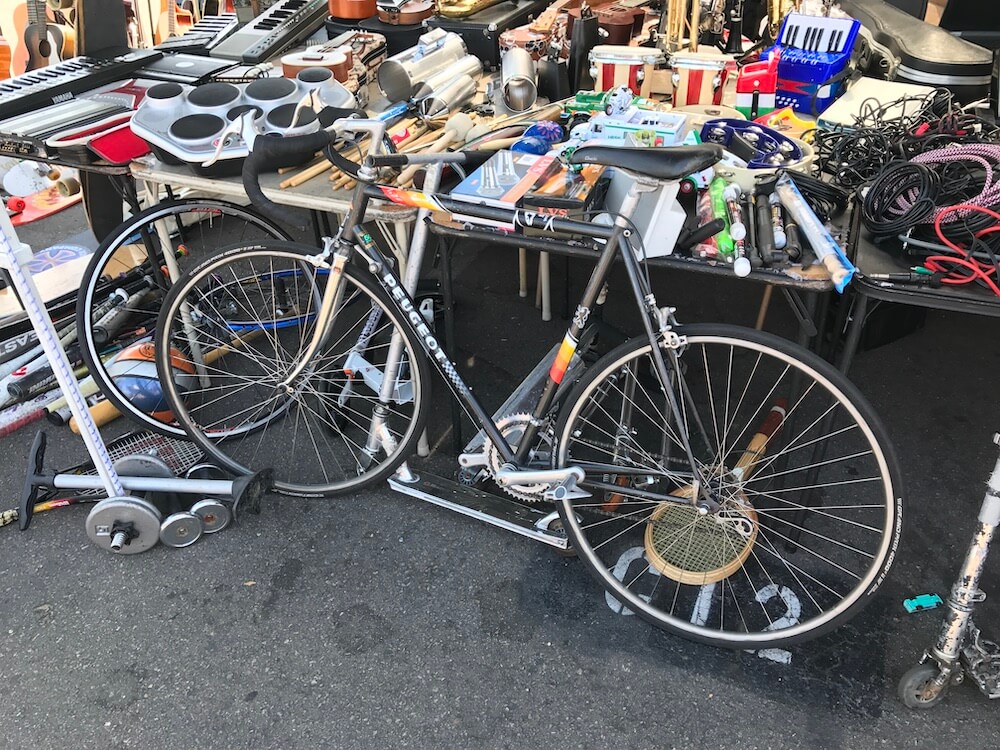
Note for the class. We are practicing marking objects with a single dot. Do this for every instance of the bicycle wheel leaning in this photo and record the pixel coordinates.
(123, 287)
(796, 459)
(241, 320)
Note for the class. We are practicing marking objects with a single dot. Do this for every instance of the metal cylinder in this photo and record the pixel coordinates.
(118, 541)
(470, 65)
(434, 51)
(448, 100)
(518, 86)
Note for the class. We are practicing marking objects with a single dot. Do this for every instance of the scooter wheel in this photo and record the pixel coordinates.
(917, 688)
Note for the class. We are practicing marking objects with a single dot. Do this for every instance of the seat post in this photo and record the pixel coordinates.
(640, 184)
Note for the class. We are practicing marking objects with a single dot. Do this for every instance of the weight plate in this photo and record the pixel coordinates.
(180, 529)
(214, 514)
(124, 525)
(143, 465)
(205, 471)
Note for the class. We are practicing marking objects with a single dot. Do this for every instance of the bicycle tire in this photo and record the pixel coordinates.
(777, 564)
(271, 291)
(126, 251)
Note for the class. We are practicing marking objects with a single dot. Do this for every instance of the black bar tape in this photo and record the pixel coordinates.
(270, 152)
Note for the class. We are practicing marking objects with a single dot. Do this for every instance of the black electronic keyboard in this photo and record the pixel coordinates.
(66, 79)
(281, 26)
(203, 36)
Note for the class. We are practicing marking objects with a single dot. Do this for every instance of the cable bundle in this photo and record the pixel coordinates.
(952, 182)
(901, 196)
(966, 266)
(901, 129)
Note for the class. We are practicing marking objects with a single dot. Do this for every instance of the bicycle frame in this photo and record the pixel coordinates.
(615, 240)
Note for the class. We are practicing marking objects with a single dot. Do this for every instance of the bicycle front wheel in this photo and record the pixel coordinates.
(124, 284)
(233, 328)
(800, 468)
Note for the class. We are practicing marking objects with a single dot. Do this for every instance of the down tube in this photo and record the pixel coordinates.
(388, 280)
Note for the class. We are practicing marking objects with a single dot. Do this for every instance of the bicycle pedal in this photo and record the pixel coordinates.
(565, 490)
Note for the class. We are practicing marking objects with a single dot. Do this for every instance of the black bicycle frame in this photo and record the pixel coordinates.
(390, 282)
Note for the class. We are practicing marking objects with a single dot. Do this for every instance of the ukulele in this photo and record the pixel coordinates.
(336, 58)
(45, 43)
(173, 22)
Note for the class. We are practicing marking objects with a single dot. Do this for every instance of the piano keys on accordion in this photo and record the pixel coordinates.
(814, 52)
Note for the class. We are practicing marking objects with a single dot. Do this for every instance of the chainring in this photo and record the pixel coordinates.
(512, 428)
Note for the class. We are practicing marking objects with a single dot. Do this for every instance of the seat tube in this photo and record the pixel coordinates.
(579, 322)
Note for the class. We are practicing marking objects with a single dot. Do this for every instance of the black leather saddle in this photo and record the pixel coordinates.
(667, 163)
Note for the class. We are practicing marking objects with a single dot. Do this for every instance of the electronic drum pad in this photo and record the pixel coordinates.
(183, 124)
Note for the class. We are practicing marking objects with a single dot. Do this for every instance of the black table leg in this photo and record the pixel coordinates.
(857, 322)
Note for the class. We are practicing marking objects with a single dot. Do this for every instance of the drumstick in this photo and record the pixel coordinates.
(427, 137)
(286, 170)
(401, 127)
(306, 174)
(496, 145)
(418, 130)
(454, 130)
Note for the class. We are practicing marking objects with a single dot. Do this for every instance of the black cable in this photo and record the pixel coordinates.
(826, 200)
(902, 195)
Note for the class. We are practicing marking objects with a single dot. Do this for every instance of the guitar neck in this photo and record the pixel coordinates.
(171, 18)
(36, 12)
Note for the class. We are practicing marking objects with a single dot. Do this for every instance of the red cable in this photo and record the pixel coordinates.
(977, 270)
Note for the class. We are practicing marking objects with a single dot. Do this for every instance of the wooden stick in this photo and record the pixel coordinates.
(402, 126)
(306, 174)
(286, 170)
(428, 137)
(416, 131)
(344, 182)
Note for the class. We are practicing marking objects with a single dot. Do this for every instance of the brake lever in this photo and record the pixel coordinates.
(243, 127)
(309, 101)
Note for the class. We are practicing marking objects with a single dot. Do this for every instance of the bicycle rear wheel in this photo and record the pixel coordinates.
(126, 280)
(800, 465)
(240, 322)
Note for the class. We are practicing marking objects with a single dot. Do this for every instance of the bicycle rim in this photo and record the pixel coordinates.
(258, 307)
(121, 293)
(809, 514)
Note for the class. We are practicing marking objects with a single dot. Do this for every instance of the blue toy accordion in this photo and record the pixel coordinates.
(813, 53)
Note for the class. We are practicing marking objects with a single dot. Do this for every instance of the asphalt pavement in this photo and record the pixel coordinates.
(377, 621)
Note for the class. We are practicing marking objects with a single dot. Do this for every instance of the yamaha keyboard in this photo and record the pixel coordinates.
(66, 79)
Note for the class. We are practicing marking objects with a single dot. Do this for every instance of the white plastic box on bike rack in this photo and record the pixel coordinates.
(658, 217)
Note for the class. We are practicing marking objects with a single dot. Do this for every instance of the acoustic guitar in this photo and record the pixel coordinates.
(173, 22)
(4, 59)
(44, 43)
